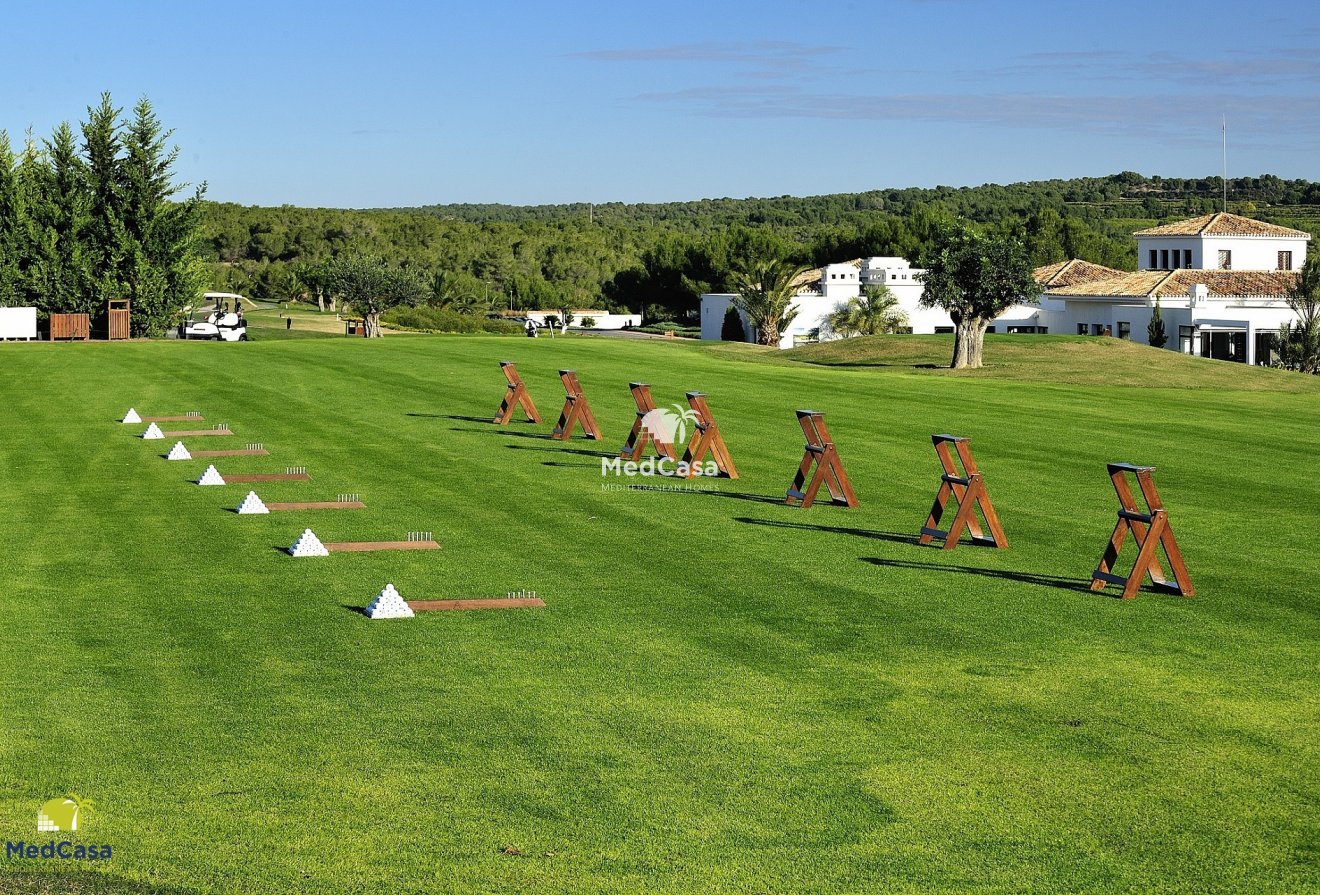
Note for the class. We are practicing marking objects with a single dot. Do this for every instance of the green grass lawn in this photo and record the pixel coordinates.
(724, 694)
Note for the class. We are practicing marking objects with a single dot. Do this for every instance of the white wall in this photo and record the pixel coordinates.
(601, 318)
(1249, 252)
(18, 323)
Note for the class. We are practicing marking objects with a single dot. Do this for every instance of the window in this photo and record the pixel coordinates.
(1187, 257)
(943, 330)
(1029, 330)
(1154, 259)
(1225, 259)
(903, 330)
(1097, 329)
(1164, 259)
(1082, 327)
(1285, 261)
(1125, 329)
(1186, 334)
(989, 329)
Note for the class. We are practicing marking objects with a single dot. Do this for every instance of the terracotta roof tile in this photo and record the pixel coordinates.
(1152, 283)
(1072, 272)
(1221, 224)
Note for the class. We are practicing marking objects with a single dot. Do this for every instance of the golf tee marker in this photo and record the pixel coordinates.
(644, 427)
(577, 411)
(821, 453)
(706, 440)
(515, 396)
(1152, 532)
(966, 489)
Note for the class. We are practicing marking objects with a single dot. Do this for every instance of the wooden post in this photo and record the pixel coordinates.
(967, 489)
(515, 396)
(706, 439)
(1151, 531)
(117, 318)
(641, 428)
(576, 411)
(820, 451)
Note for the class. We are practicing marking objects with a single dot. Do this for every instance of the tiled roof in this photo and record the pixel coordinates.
(1221, 224)
(1153, 283)
(1072, 272)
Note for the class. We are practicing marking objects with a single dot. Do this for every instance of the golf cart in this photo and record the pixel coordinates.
(218, 323)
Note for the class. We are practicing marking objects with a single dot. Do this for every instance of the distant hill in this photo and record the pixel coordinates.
(657, 258)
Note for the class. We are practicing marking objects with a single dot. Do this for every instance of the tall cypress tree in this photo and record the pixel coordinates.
(160, 268)
(13, 214)
(59, 276)
(108, 245)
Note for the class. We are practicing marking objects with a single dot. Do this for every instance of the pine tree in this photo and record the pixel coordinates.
(1155, 334)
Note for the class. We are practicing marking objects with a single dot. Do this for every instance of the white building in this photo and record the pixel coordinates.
(1221, 281)
(823, 291)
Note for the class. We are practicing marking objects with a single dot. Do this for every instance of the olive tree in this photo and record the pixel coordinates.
(370, 286)
(975, 278)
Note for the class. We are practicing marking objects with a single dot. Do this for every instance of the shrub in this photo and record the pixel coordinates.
(430, 319)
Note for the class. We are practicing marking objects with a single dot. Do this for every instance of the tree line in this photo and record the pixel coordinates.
(657, 259)
(91, 214)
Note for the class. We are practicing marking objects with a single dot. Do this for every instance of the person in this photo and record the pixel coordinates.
(531, 329)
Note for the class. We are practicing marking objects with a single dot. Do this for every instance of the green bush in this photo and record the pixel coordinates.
(438, 320)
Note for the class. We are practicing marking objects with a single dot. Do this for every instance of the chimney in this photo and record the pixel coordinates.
(1198, 293)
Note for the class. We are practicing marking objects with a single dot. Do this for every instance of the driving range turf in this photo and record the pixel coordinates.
(724, 694)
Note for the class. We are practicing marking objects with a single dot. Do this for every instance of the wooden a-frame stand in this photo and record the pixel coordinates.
(967, 489)
(706, 440)
(515, 396)
(641, 433)
(576, 411)
(820, 451)
(1151, 531)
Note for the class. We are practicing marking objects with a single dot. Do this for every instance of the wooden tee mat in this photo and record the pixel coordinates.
(318, 505)
(369, 546)
(491, 603)
(236, 452)
(267, 477)
(196, 433)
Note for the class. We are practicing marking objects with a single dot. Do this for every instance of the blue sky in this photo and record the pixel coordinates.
(392, 103)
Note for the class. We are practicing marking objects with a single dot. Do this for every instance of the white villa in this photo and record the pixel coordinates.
(823, 291)
(1220, 280)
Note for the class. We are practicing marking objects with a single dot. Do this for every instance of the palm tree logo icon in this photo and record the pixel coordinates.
(670, 426)
(61, 815)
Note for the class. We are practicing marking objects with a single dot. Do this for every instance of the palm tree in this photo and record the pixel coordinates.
(1300, 342)
(765, 290)
(874, 312)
